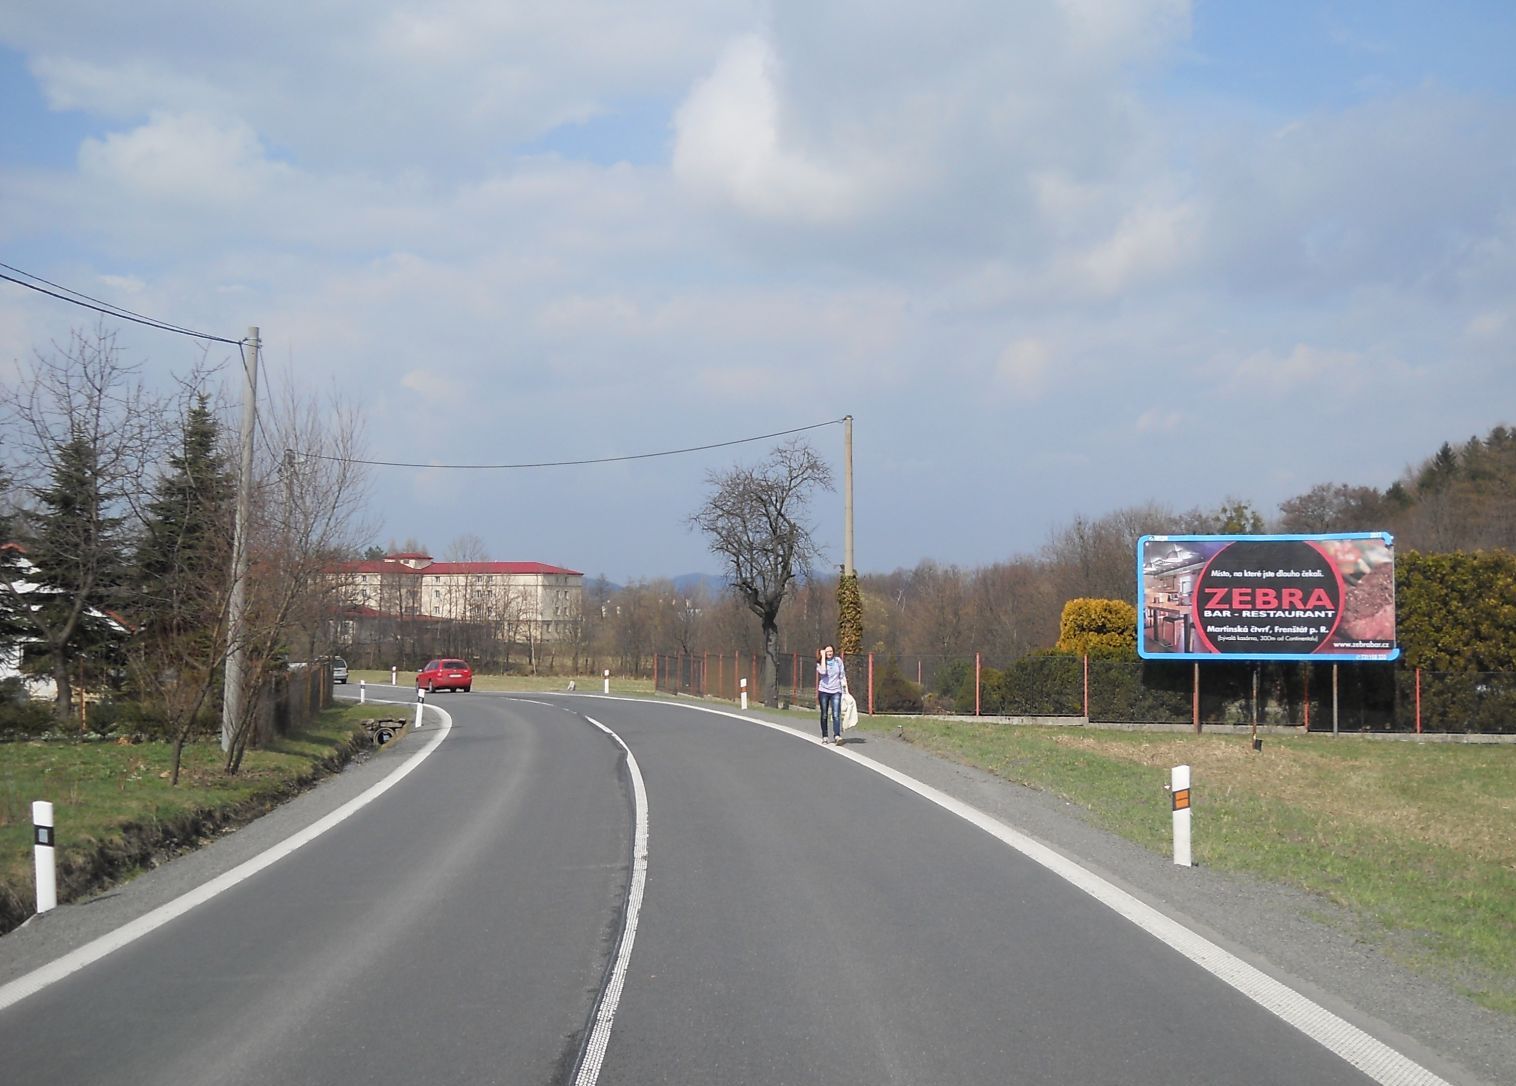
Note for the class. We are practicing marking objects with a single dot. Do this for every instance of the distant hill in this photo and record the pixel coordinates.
(687, 582)
(684, 582)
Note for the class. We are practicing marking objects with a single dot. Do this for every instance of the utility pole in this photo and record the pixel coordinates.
(847, 495)
(236, 654)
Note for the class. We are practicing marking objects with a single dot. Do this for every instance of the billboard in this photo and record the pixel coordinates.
(1266, 597)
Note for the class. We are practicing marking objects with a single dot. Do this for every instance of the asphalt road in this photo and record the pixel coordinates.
(805, 919)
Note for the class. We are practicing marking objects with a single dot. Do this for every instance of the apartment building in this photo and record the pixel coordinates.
(523, 601)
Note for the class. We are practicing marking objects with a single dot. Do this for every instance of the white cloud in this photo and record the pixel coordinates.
(729, 145)
(988, 206)
(1336, 374)
(1160, 420)
(1023, 368)
(1148, 245)
(182, 157)
(1487, 326)
(435, 387)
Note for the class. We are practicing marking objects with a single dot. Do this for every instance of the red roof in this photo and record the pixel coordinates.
(389, 565)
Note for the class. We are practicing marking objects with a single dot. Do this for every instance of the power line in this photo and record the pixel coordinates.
(575, 463)
(74, 297)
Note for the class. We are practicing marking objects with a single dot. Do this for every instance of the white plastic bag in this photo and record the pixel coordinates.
(849, 711)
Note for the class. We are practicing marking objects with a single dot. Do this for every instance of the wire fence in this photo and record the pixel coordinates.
(1354, 696)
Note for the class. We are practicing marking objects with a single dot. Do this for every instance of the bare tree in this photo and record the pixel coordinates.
(86, 429)
(467, 548)
(308, 500)
(755, 518)
(1334, 507)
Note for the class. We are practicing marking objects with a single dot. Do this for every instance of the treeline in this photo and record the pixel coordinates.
(1460, 499)
(119, 510)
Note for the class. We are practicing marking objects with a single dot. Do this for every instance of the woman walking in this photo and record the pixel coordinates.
(831, 681)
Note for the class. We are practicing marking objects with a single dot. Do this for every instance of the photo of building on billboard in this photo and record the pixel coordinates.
(1266, 597)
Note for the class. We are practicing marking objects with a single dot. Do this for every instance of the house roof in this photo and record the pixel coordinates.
(393, 565)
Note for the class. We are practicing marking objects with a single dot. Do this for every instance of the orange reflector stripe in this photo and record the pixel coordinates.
(1182, 799)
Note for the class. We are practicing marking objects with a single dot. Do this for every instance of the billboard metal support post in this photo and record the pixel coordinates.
(1257, 743)
(1195, 697)
(1334, 698)
(1086, 687)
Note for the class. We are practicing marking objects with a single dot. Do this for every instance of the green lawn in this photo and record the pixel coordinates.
(1415, 839)
(112, 799)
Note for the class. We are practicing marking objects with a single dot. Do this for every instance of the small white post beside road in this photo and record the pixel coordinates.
(47, 868)
(362, 691)
(393, 680)
(1179, 797)
(744, 695)
(420, 704)
(607, 680)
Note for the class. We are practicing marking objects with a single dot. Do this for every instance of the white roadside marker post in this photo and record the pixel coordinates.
(1179, 795)
(362, 691)
(43, 853)
(420, 705)
(744, 695)
(394, 681)
(607, 680)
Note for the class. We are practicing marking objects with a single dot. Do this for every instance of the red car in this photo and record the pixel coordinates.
(446, 675)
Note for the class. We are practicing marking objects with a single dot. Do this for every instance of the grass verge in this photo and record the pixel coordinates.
(586, 684)
(116, 813)
(1415, 840)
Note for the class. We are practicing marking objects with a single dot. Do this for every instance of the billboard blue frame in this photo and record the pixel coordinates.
(1324, 598)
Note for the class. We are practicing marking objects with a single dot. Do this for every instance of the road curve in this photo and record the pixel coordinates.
(803, 919)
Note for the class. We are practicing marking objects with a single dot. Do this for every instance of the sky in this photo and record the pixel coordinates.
(1054, 257)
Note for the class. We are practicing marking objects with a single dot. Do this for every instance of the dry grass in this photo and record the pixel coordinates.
(1415, 839)
(1436, 794)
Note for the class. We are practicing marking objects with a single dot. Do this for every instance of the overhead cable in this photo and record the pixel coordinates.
(574, 463)
(74, 297)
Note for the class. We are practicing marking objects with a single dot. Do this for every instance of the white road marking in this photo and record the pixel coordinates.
(1370, 1055)
(605, 1014)
(93, 951)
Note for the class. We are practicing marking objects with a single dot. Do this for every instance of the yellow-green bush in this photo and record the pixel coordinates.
(1102, 628)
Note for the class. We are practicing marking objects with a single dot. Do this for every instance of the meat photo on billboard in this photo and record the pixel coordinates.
(1368, 572)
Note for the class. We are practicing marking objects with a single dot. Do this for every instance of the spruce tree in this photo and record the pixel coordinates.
(182, 570)
(184, 556)
(75, 547)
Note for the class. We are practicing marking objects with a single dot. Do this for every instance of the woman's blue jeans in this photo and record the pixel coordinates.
(834, 703)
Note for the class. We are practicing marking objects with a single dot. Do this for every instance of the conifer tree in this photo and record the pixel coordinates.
(183, 574)
(75, 548)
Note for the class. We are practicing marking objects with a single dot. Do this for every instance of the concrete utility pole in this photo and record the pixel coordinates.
(847, 494)
(236, 655)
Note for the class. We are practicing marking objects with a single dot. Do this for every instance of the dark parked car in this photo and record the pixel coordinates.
(446, 675)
